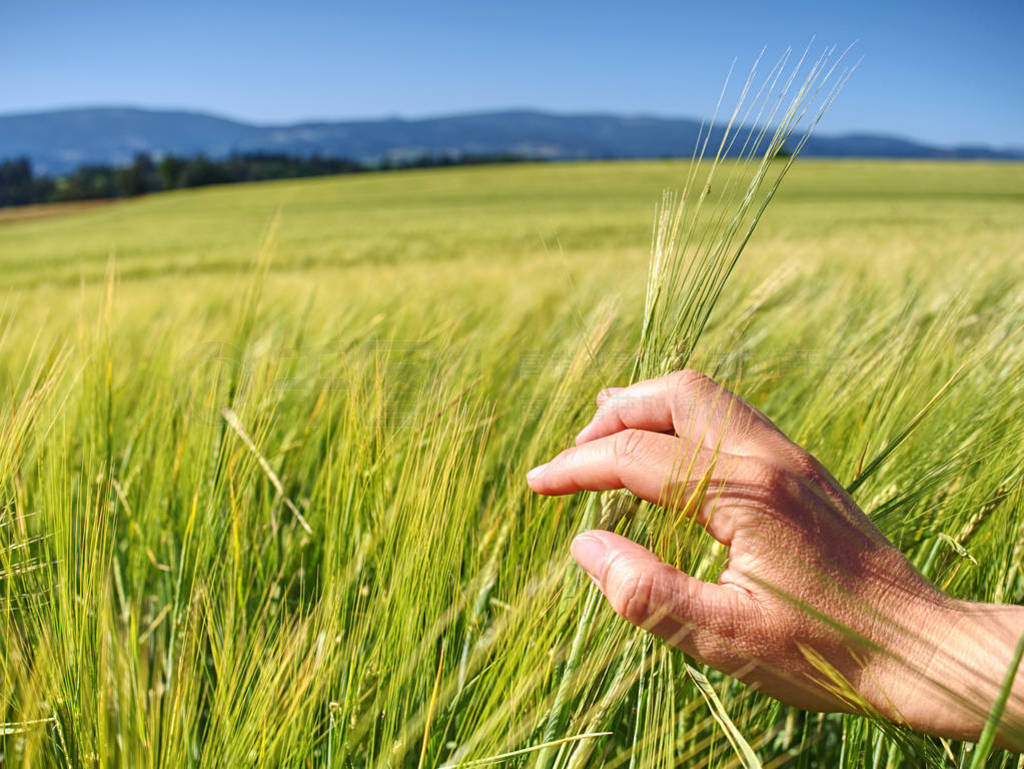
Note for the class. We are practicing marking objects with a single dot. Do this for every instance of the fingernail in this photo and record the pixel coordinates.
(590, 553)
(536, 472)
(581, 433)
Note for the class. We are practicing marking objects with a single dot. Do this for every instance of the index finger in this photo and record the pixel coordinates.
(692, 406)
(658, 468)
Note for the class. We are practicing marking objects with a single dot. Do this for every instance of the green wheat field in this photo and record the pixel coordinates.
(262, 458)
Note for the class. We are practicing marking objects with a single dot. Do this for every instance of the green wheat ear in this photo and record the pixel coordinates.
(699, 234)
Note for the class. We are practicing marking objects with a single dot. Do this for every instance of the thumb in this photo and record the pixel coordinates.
(701, 618)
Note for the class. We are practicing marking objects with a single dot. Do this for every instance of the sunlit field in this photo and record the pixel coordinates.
(263, 447)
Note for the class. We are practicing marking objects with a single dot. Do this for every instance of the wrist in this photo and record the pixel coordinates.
(974, 645)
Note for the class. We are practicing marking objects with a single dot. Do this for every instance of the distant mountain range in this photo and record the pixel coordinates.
(59, 141)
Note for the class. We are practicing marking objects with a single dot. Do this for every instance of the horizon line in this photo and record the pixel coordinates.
(426, 117)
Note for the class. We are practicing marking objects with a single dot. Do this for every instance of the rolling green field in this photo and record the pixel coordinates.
(262, 451)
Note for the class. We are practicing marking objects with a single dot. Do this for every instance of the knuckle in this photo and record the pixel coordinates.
(688, 380)
(733, 643)
(690, 391)
(628, 445)
(631, 594)
(772, 479)
(806, 464)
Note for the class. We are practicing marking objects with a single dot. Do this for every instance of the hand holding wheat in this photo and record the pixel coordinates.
(815, 607)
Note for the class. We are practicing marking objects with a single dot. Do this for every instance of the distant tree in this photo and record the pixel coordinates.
(201, 171)
(16, 183)
(169, 170)
(43, 188)
(138, 178)
(89, 182)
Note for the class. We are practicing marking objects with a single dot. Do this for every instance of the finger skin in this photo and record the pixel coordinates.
(701, 618)
(607, 393)
(693, 407)
(653, 466)
(640, 461)
(643, 406)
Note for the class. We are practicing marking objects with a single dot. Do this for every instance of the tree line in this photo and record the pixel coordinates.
(20, 186)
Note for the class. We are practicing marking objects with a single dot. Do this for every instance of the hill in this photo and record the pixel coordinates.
(59, 141)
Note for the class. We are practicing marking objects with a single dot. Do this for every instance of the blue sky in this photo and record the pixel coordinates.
(947, 72)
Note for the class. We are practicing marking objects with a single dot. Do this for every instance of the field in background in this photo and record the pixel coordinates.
(262, 454)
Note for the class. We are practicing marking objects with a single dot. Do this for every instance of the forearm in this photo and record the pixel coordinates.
(967, 671)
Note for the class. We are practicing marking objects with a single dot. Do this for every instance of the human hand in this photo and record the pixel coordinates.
(811, 583)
